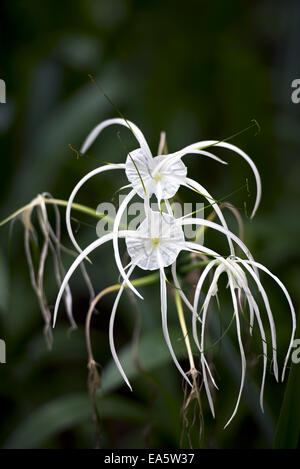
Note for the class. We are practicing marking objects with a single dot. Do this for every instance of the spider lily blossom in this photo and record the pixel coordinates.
(238, 284)
(161, 175)
(155, 245)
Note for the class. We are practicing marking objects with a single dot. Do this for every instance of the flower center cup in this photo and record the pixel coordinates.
(163, 183)
(158, 241)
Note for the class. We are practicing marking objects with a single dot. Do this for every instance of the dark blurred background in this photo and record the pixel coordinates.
(198, 70)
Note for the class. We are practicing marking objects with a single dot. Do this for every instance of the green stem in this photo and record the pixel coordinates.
(187, 268)
(184, 331)
(62, 203)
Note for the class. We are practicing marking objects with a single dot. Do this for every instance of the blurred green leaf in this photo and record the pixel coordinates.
(63, 413)
(288, 427)
(49, 420)
(118, 407)
(152, 353)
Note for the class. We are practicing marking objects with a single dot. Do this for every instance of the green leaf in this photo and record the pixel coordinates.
(288, 426)
(119, 408)
(49, 420)
(152, 353)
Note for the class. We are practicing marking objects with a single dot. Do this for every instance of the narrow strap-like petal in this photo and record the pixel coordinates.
(269, 313)
(119, 214)
(229, 146)
(97, 243)
(293, 314)
(195, 185)
(76, 189)
(173, 157)
(243, 358)
(253, 305)
(177, 285)
(163, 299)
(215, 226)
(130, 125)
(111, 329)
(206, 303)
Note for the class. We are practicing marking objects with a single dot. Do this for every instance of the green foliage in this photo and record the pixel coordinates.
(196, 79)
(288, 427)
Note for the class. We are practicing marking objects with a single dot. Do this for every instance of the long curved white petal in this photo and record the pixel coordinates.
(229, 146)
(265, 351)
(218, 272)
(169, 208)
(117, 221)
(269, 313)
(255, 309)
(130, 125)
(177, 285)
(173, 157)
(97, 243)
(215, 226)
(195, 185)
(111, 330)
(102, 169)
(243, 358)
(198, 290)
(163, 296)
(293, 314)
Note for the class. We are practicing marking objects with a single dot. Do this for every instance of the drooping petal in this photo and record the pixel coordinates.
(215, 226)
(208, 143)
(265, 351)
(210, 293)
(254, 308)
(195, 185)
(76, 189)
(169, 208)
(293, 314)
(269, 313)
(111, 329)
(117, 221)
(130, 125)
(177, 285)
(173, 158)
(243, 358)
(97, 243)
(198, 292)
(163, 299)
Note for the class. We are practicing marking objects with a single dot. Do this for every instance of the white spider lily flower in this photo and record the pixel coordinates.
(155, 245)
(160, 249)
(237, 282)
(161, 175)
